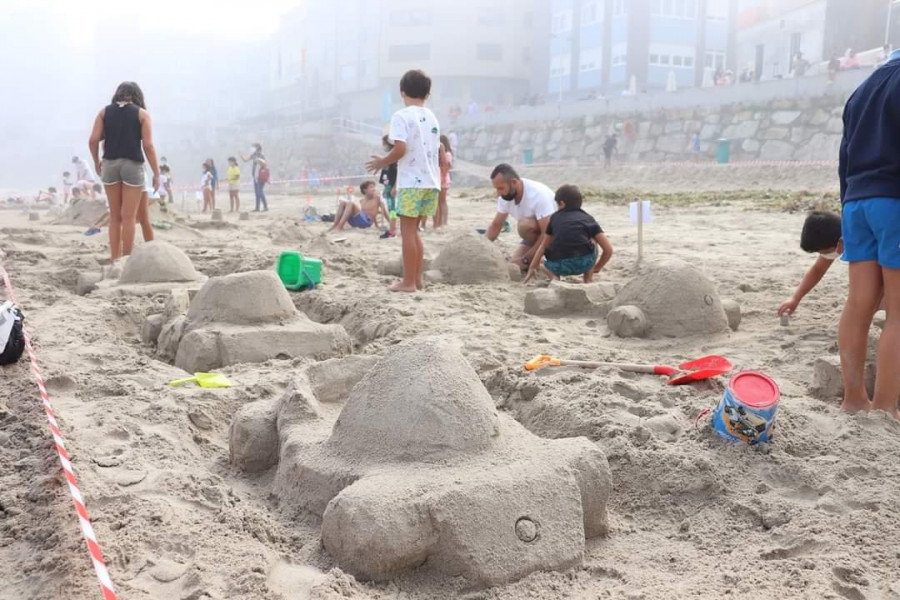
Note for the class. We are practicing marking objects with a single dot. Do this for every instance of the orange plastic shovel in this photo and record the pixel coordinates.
(688, 372)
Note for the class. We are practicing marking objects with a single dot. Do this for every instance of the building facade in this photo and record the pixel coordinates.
(346, 57)
(771, 33)
(602, 44)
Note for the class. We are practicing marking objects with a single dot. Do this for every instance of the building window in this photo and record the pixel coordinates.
(717, 10)
(348, 72)
(619, 59)
(677, 61)
(590, 60)
(562, 21)
(410, 18)
(689, 61)
(492, 52)
(560, 65)
(674, 9)
(618, 8)
(654, 59)
(491, 18)
(715, 60)
(796, 41)
(409, 52)
(591, 13)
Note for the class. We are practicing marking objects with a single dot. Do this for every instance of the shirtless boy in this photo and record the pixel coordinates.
(362, 215)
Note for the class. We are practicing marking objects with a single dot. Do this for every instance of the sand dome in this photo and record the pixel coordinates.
(242, 299)
(677, 299)
(158, 262)
(470, 259)
(423, 402)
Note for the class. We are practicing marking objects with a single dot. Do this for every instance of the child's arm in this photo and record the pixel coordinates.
(97, 135)
(538, 256)
(377, 163)
(812, 278)
(607, 250)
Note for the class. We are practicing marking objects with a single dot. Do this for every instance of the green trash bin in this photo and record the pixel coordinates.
(528, 156)
(723, 151)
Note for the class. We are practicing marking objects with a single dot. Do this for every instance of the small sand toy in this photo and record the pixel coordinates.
(205, 380)
(688, 372)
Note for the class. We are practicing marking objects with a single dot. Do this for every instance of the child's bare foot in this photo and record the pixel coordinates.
(855, 405)
(401, 286)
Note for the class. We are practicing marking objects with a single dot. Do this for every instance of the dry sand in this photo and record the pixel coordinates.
(817, 516)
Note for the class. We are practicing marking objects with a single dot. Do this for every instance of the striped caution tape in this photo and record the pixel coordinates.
(84, 520)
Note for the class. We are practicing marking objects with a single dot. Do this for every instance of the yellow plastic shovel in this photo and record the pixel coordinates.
(206, 380)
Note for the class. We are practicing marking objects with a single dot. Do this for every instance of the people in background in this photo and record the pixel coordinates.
(260, 175)
(442, 215)
(234, 184)
(850, 61)
(610, 146)
(215, 180)
(206, 181)
(67, 187)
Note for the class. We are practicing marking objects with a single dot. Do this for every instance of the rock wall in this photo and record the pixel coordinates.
(802, 129)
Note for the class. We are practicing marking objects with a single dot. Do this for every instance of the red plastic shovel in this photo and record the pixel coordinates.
(688, 372)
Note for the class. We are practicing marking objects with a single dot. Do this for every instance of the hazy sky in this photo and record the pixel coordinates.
(247, 19)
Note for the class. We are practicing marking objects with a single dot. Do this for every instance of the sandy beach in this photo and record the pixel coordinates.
(813, 515)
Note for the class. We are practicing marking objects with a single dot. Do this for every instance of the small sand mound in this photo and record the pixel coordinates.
(289, 233)
(158, 262)
(84, 213)
(242, 299)
(441, 412)
(470, 259)
(677, 299)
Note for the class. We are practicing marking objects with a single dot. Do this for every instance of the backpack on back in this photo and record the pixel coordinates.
(263, 175)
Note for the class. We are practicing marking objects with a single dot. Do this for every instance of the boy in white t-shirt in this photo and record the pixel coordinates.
(415, 133)
(530, 203)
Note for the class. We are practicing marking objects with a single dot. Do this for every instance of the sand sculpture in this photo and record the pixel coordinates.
(419, 470)
(158, 262)
(471, 259)
(561, 298)
(676, 299)
(243, 317)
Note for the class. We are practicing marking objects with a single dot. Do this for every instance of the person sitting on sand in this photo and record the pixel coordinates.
(362, 215)
(529, 202)
(570, 245)
(46, 197)
(822, 234)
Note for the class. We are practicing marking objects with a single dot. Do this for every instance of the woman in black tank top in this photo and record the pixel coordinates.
(125, 129)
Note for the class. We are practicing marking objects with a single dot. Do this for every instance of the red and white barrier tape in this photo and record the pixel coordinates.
(84, 520)
(316, 180)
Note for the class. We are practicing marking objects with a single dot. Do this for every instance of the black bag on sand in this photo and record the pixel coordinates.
(12, 338)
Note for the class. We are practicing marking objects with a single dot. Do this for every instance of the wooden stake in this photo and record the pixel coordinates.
(640, 224)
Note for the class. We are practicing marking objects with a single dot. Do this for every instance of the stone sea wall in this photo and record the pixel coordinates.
(805, 129)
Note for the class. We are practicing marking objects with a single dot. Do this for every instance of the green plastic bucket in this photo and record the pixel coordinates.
(528, 156)
(297, 272)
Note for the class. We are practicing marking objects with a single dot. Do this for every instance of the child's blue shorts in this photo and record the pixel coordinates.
(578, 265)
(871, 231)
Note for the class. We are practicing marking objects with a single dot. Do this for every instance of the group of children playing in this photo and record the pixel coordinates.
(365, 213)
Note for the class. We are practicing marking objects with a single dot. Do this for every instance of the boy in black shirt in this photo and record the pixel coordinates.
(570, 246)
(388, 179)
